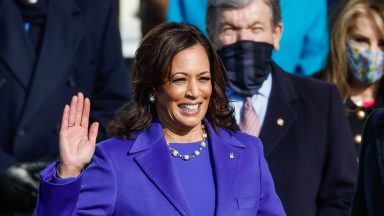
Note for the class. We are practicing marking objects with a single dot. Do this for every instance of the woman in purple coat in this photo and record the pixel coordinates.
(174, 152)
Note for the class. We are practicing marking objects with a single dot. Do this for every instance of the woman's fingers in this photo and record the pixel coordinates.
(93, 132)
(78, 144)
(86, 112)
(72, 111)
(65, 118)
(63, 133)
(79, 108)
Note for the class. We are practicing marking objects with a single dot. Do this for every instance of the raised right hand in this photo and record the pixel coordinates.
(77, 142)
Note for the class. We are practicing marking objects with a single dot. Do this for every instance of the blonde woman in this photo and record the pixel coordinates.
(356, 58)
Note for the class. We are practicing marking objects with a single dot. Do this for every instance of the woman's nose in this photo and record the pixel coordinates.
(192, 89)
(375, 47)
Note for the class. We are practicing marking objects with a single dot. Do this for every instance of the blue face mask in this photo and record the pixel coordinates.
(367, 66)
(247, 64)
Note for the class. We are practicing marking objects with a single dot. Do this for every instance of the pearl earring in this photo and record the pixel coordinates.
(152, 99)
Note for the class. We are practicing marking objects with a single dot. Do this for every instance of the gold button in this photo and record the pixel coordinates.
(357, 138)
(360, 114)
(280, 122)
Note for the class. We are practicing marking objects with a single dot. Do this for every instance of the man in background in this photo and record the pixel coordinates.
(50, 50)
(304, 44)
(306, 137)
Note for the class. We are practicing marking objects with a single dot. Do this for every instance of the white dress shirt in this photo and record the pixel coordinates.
(259, 100)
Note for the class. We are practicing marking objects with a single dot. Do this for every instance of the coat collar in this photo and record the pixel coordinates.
(280, 114)
(155, 160)
(16, 50)
(224, 144)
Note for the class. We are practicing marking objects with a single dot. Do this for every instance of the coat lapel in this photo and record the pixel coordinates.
(227, 152)
(15, 46)
(280, 114)
(156, 163)
(62, 37)
(155, 160)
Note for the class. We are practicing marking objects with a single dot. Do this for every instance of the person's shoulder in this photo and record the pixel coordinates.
(115, 145)
(312, 93)
(100, 2)
(310, 88)
(300, 82)
(378, 115)
(309, 82)
(376, 119)
(373, 130)
(96, 6)
(245, 139)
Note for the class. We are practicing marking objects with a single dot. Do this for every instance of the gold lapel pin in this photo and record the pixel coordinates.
(231, 155)
(280, 122)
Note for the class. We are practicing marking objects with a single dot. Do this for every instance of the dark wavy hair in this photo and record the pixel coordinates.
(152, 67)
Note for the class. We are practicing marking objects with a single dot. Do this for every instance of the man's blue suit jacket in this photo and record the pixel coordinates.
(138, 177)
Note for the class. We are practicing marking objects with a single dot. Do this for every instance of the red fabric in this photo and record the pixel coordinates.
(369, 103)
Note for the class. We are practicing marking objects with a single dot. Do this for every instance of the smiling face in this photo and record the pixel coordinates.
(251, 22)
(183, 99)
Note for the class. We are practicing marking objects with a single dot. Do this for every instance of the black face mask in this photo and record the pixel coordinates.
(247, 64)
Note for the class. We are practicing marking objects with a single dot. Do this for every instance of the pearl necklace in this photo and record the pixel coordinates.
(196, 153)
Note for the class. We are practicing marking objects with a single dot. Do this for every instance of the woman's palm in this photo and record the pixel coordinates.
(77, 142)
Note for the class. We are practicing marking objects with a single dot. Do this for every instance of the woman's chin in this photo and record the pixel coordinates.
(189, 121)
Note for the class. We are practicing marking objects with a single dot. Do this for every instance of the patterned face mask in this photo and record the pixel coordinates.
(367, 66)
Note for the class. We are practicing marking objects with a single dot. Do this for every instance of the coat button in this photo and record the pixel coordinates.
(280, 122)
(3, 81)
(358, 138)
(21, 132)
(360, 114)
(71, 81)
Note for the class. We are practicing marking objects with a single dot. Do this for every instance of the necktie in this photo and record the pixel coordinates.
(249, 122)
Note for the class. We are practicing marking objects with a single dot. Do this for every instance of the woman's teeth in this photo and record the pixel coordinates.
(189, 107)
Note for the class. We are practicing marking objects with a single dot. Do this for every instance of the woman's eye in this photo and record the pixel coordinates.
(205, 79)
(359, 39)
(178, 80)
(381, 44)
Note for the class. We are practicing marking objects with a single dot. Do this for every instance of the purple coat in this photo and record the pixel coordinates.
(138, 177)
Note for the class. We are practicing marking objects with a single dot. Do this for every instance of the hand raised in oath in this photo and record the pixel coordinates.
(77, 141)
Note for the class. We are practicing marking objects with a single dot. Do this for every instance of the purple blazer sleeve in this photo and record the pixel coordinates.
(97, 197)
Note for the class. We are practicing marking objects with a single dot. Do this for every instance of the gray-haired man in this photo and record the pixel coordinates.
(306, 136)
